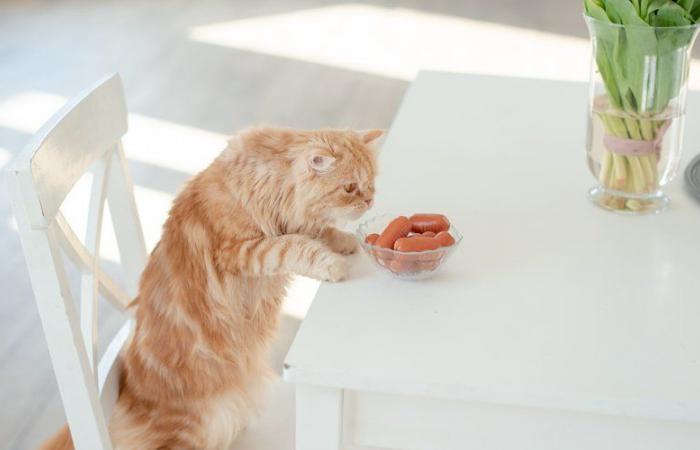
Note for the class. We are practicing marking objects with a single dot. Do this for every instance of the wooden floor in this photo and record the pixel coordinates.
(179, 90)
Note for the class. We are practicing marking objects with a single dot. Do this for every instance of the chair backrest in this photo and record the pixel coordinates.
(84, 135)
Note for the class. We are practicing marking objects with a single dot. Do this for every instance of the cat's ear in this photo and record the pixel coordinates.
(320, 163)
(369, 136)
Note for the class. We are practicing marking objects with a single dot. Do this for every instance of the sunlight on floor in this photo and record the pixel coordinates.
(398, 42)
(27, 111)
(173, 146)
(150, 140)
(5, 156)
(12, 224)
(161, 144)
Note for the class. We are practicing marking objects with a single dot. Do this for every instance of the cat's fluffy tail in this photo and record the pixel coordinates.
(60, 441)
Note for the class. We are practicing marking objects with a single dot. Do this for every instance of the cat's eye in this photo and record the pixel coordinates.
(350, 187)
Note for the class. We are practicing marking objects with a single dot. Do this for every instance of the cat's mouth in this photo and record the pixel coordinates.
(358, 210)
(350, 212)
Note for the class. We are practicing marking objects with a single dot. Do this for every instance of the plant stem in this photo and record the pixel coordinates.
(636, 174)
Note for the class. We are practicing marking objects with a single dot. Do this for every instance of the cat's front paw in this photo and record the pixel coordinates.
(341, 242)
(335, 268)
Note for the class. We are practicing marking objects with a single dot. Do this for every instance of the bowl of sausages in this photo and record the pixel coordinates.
(409, 247)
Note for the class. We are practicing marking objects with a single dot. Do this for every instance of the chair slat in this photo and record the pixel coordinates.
(79, 255)
(125, 218)
(93, 235)
(110, 367)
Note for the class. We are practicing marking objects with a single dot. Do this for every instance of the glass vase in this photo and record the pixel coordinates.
(638, 86)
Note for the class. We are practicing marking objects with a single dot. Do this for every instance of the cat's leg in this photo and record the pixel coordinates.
(339, 241)
(140, 425)
(287, 254)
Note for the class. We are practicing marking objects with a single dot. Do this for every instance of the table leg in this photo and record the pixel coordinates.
(319, 417)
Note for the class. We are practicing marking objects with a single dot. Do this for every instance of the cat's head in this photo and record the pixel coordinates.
(334, 172)
(305, 178)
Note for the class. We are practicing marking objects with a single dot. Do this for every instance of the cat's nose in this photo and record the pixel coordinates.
(369, 202)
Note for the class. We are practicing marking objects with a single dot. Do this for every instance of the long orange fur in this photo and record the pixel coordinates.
(210, 295)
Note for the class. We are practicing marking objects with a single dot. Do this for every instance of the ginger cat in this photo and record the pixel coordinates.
(210, 295)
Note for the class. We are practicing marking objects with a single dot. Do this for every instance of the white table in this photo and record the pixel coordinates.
(556, 325)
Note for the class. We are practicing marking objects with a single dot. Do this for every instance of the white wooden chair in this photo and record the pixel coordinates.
(84, 135)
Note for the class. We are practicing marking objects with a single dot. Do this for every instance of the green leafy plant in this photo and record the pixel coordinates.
(642, 57)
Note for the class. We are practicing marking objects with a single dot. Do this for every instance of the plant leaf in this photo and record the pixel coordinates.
(612, 14)
(626, 12)
(654, 5)
(635, 3)
(636, 44)
(642, 63)
(607, 73)
(671, 64)
(671, 15)
(686, 4)
(595, 11)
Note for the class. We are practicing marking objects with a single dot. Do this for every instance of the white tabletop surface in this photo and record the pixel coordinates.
(549, 301)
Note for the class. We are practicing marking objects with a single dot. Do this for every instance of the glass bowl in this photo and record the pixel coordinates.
(404, 265)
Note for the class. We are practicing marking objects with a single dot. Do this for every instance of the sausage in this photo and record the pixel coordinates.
(397, 228)
(436, 223)
(432, 263)
(445, 239)
(426, 234)
(403, 266)
(416, 263)
(416, 244)
(382, 258)
(410, 263)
